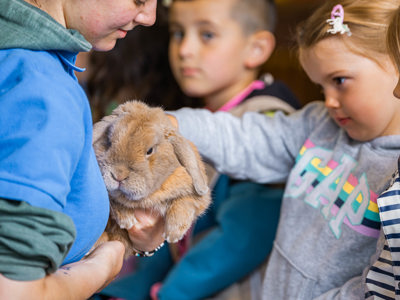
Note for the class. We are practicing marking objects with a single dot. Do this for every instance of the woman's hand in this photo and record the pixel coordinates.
(107, 257)
(78, 280)
(147, 233)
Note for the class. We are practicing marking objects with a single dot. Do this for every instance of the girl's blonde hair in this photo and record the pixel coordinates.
(368, 22)
(393, 38)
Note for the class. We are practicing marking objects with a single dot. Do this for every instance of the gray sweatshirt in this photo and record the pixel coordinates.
(329, 221)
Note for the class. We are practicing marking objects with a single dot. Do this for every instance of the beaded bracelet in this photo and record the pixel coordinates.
(148, 253)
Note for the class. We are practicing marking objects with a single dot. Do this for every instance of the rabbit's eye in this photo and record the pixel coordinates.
(107, 141)
(150, 151)
(107, 144)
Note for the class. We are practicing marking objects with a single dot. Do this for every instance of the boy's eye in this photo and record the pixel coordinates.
(176, 35)
(207, 35)
(339, 80)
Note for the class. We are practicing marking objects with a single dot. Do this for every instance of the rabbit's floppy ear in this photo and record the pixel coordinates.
(189, 160)
(99, 128)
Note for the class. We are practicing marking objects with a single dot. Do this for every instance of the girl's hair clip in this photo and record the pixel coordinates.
(336, 21)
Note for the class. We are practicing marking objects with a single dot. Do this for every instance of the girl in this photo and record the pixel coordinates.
(329, 221)
(53, 202)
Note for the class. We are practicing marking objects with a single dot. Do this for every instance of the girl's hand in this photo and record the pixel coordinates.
(147, 234)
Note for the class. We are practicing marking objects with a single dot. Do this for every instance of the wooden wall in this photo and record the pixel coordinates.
(283, 64)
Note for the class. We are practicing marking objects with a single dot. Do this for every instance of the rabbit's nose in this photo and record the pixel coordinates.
(119, 175)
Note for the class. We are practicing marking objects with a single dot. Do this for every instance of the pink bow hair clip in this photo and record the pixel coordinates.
(336, 21)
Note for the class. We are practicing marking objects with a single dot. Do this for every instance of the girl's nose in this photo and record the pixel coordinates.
(331, 101)
(147, 15)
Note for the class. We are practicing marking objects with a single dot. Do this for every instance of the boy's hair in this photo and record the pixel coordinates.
(367, 21)
(253, 15)
(393, 38)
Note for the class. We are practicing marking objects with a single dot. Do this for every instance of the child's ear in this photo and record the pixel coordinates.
(261, 46)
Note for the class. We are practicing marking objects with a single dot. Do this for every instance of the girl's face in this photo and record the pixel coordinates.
(102, 22)
(207, 50)
(358, 92)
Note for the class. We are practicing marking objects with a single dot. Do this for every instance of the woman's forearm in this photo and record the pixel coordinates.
(79, 280)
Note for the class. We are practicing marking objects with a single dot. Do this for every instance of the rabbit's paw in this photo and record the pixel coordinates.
(127, 223)
(173, 237)
(123, 216)
(178, 221)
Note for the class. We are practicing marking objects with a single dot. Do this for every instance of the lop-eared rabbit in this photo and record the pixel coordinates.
(146, 163)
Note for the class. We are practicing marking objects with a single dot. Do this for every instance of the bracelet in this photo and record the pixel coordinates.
(147, 253)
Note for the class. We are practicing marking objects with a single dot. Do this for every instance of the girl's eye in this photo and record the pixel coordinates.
(339, 80)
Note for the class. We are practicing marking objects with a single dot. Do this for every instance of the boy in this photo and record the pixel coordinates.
(217, 50)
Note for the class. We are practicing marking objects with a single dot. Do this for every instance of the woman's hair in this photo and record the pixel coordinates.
(367, 20)
(393, 38)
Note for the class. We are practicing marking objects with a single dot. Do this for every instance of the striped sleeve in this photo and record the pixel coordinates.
(383, 277)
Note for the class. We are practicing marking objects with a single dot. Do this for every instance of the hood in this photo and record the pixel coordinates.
(25, 26)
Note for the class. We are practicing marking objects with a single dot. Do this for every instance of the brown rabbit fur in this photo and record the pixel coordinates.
(146, 163)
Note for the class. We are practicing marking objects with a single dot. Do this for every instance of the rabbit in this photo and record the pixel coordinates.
(146, 163)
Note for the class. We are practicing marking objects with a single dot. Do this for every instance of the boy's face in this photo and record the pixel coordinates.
(102, 22)
(358, 92)
(207, 49)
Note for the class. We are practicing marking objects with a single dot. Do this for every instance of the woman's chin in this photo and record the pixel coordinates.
(104, 45)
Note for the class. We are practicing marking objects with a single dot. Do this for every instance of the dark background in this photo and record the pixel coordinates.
(284, 64)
